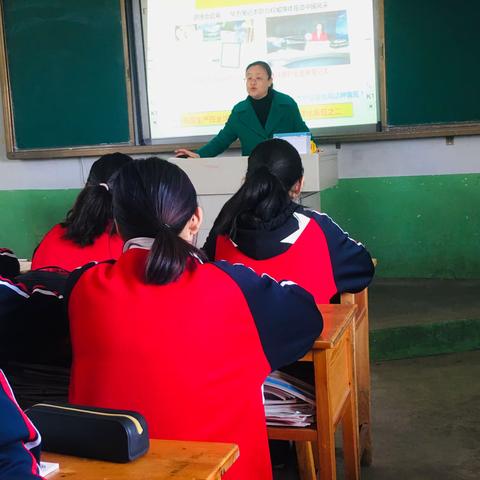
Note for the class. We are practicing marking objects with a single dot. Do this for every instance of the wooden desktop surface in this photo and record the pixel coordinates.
(165, 460)
(336, 319)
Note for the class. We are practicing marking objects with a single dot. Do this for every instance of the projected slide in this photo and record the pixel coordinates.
(321, 54)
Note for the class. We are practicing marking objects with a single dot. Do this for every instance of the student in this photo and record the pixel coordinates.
(88, 233)
(187, 344)
(9, 264)
(263, 227)
(19, 439)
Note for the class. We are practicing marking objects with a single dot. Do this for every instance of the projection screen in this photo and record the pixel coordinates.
(322, 53)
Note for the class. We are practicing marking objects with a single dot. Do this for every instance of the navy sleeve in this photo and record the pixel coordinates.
(12, 296)
(287, 319)
(9, 264)
(352, 265)
(33, 323)
(18, 437)
(53, 280)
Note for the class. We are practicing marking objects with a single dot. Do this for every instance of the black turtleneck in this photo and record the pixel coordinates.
(262, 106)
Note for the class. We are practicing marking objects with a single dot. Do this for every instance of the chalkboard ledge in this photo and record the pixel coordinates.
(410, 132)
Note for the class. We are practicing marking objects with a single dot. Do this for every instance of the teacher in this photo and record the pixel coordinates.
(255, 119)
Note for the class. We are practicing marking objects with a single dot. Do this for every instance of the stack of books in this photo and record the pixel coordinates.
(289, 402)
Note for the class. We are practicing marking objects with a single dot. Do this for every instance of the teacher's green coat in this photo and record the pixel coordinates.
(243, 123)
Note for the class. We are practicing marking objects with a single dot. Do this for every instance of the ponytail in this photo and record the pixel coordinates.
(90, 215)
(154, 198)
(169, 257)
(92, 212)
(261, 198)
(273, 168)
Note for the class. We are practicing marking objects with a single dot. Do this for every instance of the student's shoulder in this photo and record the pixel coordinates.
(10, 288)
(87, 273)
(55, 234)
(319, 217)
(95, 268)
(246, 278)
(6, 252)
(57, 229)
(231, 268)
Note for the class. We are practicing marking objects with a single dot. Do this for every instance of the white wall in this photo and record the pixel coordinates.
(426, 156)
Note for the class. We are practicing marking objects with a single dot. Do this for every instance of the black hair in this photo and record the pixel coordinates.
(265, 66)
(92, 212)
(274, 166)
(262, 64)
(155, 198)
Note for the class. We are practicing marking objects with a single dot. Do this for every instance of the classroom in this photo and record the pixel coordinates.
(405, 183)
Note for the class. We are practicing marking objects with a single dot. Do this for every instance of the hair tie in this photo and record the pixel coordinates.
(104, 185)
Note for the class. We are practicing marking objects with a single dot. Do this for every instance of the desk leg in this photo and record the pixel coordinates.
(350, 418)
(325, 427)
(362, 371)
(350, 435)
(305, 461)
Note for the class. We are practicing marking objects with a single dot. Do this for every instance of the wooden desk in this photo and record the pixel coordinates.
(335, 396)
(166, 460)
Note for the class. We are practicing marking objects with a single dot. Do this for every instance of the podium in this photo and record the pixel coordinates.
(217, 179)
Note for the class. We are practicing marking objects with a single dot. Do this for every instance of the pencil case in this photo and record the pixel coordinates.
(100, 433)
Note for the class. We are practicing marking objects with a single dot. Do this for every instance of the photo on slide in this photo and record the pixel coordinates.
(233, 32)
(308, 41)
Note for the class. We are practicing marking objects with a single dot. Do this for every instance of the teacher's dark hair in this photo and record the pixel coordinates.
(92, 214)
(155, 198)
(262, 64)
(274, 166)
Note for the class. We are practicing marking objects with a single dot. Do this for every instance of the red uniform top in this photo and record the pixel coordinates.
(56, 251)
(191, 356)
(304, 246)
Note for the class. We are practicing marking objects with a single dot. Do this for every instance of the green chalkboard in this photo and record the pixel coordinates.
(66, 73)
(432, 61)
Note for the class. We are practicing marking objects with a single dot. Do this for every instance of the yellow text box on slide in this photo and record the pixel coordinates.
(309, 112)
(204, 119)
(327, 110)
(230, 3)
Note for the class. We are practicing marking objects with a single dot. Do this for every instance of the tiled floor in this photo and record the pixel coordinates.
(426, 420)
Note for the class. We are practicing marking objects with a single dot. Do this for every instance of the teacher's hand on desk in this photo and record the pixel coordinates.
(184, 153)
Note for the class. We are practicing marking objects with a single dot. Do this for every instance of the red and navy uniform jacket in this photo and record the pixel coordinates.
(33, 321)
(303, 245)
(192, 355)
(19, 439)
(9, 265)
(56, 251)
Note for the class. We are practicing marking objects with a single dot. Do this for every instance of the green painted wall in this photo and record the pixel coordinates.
(424, 226)
(26, 215)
